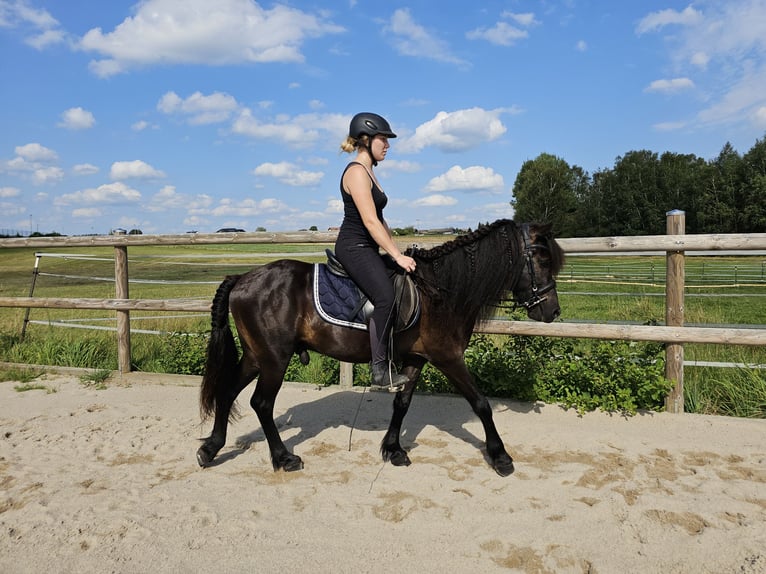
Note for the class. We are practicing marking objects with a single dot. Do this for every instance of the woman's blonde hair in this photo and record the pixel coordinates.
(350, 144)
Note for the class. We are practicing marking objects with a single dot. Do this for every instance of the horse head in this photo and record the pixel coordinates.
(535, 290)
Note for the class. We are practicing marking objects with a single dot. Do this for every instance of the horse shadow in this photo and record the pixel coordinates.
(371, 411)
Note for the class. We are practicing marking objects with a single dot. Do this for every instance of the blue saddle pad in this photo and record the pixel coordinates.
(337, 299)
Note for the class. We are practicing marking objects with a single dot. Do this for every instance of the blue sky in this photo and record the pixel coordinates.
(178, 115)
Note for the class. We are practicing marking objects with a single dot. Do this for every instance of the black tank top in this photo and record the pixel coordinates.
(352, 229)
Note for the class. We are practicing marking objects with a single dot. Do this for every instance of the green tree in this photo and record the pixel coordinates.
(681, 179)
(547, 190)
(753, 200)
(718, 210)
(630, 195)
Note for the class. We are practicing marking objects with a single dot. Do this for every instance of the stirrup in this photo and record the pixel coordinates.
(384, 378)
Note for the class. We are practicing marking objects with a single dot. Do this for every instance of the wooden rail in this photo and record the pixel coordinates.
(663, 334)
(675, 244)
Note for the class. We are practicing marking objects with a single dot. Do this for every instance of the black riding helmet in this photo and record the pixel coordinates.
(371, 125)
(367, 123)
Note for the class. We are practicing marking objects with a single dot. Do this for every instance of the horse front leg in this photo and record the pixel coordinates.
(390, 448)
(457, 372)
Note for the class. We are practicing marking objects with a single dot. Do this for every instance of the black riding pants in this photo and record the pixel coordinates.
(369, 271)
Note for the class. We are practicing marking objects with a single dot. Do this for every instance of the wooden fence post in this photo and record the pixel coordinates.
(674, 313)
(123, 317)
(346, 375)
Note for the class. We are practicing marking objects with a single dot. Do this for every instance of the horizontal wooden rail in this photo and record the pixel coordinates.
(705, 335)
(257, 237)
(664, 334)
(616, 244)
(192, 305)
(709, 242)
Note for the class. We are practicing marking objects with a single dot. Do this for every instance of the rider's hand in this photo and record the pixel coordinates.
(406, 263)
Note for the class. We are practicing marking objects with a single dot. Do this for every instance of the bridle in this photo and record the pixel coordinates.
(538, 294)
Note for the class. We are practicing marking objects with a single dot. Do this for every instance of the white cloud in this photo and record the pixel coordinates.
(168, 199)
(289, 174)
(760, 117)
(459, 130)
(334, 206)
(435, 200)
(200, 109)
(77, 119)
(525, 19)
(398, 165)
(300, 131)
(49, 174)
(218, 33)
(473, 178)
(670, 86)
(84, 169)
(134, 169)
(86, 212)
(36, 152)
(699, 59)
(46, 38)
(9, 192)
(33, 160)
(248, 207)
(657, 20)
(581, 46)
(741, 101)
(722, 46)
(43, 28)
(503, 33)
(411, 39)
(109, 193)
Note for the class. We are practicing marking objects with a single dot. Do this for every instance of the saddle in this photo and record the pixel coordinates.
(338, 300)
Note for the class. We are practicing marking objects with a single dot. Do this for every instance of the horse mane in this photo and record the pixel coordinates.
(474, 272)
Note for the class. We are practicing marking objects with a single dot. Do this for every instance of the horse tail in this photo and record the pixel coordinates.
(222, 356)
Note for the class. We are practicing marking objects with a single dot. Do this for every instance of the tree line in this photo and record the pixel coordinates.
(726, 194)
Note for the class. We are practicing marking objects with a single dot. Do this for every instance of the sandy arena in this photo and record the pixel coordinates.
(97, 481)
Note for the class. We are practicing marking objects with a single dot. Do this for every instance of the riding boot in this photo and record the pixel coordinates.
(383, 376)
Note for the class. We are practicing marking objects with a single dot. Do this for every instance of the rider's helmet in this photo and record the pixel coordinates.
(367, 123)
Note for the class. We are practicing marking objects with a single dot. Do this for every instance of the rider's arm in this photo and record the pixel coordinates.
(358, 185)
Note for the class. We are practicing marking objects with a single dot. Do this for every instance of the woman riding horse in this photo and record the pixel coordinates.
(460, 282)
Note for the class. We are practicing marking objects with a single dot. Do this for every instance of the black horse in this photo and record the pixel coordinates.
(460, 282)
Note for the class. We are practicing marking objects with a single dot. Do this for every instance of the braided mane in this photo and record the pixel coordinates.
(473, 272)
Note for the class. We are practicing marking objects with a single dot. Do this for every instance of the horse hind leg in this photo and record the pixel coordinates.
(262, 402)
(224, 412)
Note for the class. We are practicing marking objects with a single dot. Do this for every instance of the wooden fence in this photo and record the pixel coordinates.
(674, 334)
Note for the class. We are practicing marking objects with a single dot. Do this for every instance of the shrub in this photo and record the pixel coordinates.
(183, 353)
(581, 374)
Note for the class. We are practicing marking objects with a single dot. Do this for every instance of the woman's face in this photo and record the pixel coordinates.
(379, 147)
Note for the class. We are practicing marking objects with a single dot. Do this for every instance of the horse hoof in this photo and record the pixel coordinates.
(204, 458)
(291, 463)
(504, 466)
(400, 458)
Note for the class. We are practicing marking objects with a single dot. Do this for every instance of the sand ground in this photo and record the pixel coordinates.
(97, 481)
